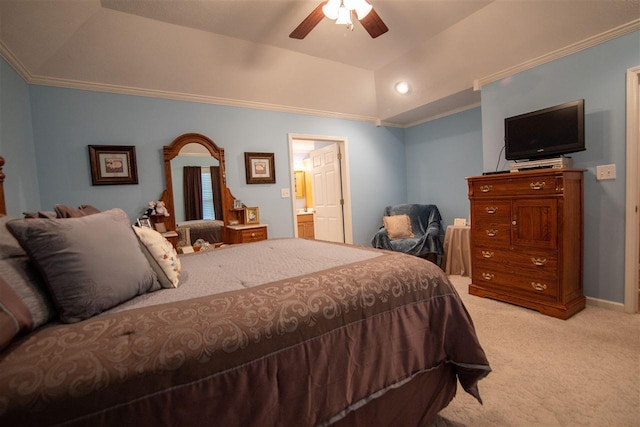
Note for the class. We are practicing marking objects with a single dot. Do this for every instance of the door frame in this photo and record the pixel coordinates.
(344, 176)
(632, 221)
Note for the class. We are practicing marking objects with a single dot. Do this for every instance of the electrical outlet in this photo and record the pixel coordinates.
(605, 172)
(285, 193)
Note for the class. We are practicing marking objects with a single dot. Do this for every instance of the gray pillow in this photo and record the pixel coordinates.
(89, 264)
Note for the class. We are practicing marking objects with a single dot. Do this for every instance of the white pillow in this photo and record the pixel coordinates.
(162, 256)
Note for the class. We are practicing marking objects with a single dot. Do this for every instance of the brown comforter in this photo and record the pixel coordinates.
(303, 351)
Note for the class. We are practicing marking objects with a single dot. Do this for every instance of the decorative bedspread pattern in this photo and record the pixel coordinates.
(296, 351)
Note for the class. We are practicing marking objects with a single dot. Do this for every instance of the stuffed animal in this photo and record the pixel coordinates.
(151, 210)
(161, 208)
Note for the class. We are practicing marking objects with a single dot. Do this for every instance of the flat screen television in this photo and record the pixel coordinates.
(550, 132)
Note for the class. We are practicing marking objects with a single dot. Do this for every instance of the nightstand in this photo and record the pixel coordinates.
(457, 250)
(247, 233)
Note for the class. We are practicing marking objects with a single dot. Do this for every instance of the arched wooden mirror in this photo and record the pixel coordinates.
(189, 145)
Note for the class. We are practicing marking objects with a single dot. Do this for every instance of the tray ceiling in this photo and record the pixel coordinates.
(238, 52)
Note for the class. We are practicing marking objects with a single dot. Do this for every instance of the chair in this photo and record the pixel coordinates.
(419, 235)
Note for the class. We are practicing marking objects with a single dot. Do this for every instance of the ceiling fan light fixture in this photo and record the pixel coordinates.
(362, 8)
(344, 16)
(340, 12)
(330, 9)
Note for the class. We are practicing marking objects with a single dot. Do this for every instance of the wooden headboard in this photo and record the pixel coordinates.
(3, 207)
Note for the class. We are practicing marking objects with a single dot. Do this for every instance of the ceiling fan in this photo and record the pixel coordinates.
(341, 11)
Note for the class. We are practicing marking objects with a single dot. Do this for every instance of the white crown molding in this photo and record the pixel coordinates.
(477, 84)
(152, 93)
(622, 30)
(14, 62)
(437, 116)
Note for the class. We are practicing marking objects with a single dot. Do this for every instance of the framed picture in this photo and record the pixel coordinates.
(259, 168)
(252, 215)
(144, 222)
(237, 204)
(113, 164)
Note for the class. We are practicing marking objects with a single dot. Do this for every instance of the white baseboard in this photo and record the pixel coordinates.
(609, 305)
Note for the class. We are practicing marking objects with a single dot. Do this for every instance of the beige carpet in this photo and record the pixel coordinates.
(584, 371)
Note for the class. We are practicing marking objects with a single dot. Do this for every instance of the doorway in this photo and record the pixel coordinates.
(300, 148)
(632, 220)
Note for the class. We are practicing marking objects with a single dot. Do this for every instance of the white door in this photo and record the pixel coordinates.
(327, 193)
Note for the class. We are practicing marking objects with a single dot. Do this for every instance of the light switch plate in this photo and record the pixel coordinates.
(605, 172)
(285, 193)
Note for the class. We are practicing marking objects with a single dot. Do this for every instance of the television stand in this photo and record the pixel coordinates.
(553, 163)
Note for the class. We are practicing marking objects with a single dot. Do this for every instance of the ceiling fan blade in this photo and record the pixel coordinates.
(373, 24)
(308, 23)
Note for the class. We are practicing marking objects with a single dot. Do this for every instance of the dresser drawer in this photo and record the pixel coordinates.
(254, 235)
(520, 186)
(494, 275)
(491, 210)
(535, 262)
(243, 234)
(490, 233)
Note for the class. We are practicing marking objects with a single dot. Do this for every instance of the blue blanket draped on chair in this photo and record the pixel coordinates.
(426, 227)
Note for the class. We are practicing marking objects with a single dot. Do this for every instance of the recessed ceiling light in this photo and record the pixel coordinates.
(402, 87)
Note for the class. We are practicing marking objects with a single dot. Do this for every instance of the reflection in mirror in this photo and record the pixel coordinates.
(224, 199)
(192, 154)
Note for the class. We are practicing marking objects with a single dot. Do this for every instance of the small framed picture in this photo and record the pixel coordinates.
(259, 168)
(252, 215)
(237, 204)
(144, 222)
(113, 164)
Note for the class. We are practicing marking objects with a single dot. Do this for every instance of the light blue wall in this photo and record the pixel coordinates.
(439, 155)
(432, 166)
(66, 121)
(16, 143)
(598, 75)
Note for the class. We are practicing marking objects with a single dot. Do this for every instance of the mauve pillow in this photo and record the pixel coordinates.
(89, 264)
(14, 315)
(18, 272)
(63, 211)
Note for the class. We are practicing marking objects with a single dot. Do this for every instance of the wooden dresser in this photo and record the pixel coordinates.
(305, 226)
(247, 233)
(527, 239)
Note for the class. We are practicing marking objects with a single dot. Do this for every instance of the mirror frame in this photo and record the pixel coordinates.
(172, 151)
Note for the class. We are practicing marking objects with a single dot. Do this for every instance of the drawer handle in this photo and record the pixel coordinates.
(491, 209)
(487, 276)
(537, 185)
(491, 232)
(539, 261)
(539, 286)
(253, 234)
(486, 188)
(487, 254)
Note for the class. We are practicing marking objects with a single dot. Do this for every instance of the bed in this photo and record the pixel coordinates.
(208, 230)
(281, 332)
